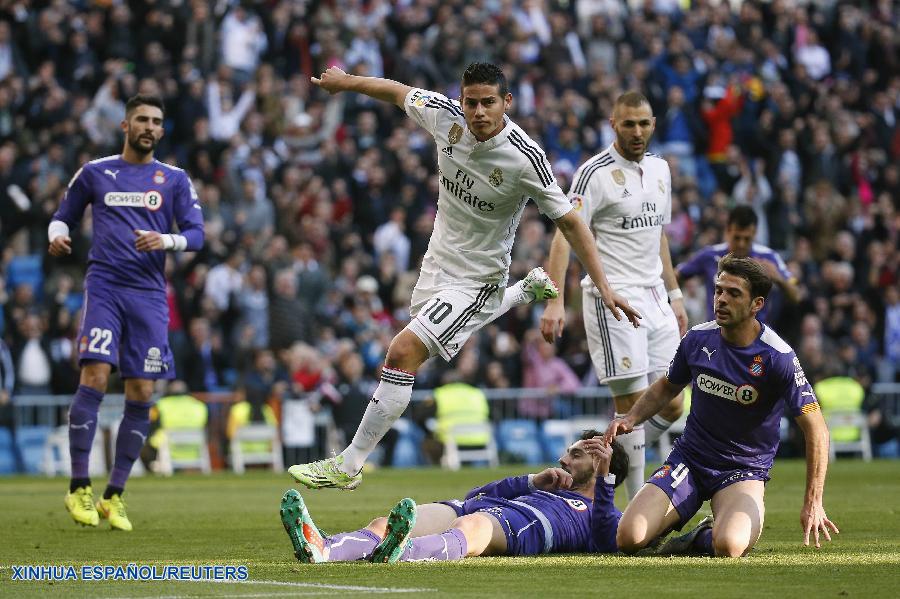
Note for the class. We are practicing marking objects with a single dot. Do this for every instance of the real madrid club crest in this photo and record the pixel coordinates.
(618, 176)
(662, 186)
(626, 362)
(455, 134)
(159, 177)
(496, 177)
(756, 366)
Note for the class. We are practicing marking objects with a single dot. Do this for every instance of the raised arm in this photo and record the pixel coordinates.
(579, 237)
(812, 516)
(335, 80)
(676, 298)
(553, 320)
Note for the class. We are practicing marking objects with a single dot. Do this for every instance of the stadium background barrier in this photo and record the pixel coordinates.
(36, 416)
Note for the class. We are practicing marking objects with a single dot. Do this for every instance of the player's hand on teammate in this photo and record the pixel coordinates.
(601, 451)
(619, 426)
(615, 302)
(331, 80)
(60, 246)
(148, 241)
(552, 479)
(813, 520)
(553, 320)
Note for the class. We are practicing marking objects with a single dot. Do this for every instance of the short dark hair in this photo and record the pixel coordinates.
(633, 99)
(618, 464)
(142, 100)
(742, 217)
(487, 73)
(750, 270)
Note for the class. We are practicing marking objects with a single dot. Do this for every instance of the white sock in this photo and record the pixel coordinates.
(387, 405)
(633, 444)
(513, 296)
(654, 428)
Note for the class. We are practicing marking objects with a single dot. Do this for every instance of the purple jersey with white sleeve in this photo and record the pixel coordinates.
(739, 396)
(125, 197)
(567, 522)
(705, 263)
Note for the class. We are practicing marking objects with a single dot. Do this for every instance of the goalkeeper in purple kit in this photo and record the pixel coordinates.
(134, 200)
(568, 509)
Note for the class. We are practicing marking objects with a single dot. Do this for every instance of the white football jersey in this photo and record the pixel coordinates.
(483, 190)
(626, 205)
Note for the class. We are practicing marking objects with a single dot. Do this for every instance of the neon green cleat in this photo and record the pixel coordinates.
(80, 506)
(539, 284)
(309, 545)
(400, 523)
(113, 509)
(325, 474)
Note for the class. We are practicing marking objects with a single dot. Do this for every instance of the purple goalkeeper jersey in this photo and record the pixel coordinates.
(705, 263)
(124, 197)
(739, 396)
(571, 522)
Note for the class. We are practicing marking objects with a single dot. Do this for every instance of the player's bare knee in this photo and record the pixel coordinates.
(404, 354)
(139, 390)
(628, 539)
(728, 546)
(96, 377)
(378, 526)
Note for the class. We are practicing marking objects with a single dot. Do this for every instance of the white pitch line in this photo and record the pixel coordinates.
(322, 585)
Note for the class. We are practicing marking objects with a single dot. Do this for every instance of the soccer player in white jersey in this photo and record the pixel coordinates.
(625, 195)
(488, 169)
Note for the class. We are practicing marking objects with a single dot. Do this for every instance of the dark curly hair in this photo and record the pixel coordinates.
(487, 73)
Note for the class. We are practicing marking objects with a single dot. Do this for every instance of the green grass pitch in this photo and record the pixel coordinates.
(230, 520)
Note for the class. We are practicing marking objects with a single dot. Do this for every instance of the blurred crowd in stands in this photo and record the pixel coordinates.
(319, 208)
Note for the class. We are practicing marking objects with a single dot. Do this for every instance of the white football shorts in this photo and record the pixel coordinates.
(446, 311)
(620, 351)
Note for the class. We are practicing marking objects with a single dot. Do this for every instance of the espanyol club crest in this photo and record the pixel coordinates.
(159, 177)
(756, 366)
(662, 472)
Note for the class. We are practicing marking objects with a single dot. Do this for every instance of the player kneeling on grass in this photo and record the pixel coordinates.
(559, 510)
(744, 377)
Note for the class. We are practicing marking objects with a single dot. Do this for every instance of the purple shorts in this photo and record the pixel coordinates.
(524, 532)
(688, 484)
(127, 329)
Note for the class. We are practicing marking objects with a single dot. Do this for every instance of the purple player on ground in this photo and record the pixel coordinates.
(134, 201)
(558, 510)
(739, 234)
(744, 378)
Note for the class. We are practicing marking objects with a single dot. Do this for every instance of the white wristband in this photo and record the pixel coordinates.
(610, 479)
(531, 486)
(675, 294)
(56, 229)
(173, 243)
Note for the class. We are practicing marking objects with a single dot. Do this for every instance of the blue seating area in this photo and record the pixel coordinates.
(26, 269)
(520, 439)
(7, 457)
(30, 441)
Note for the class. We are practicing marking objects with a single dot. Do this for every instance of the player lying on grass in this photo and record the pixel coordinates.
(558, 510)
(745, 377)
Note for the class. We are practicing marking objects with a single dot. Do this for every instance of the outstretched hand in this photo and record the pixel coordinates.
(553, 320)
(615, 302)
(812, 520)
(619, 426)
(552, 479)
(332, 80)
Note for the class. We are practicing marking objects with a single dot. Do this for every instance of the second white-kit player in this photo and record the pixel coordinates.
(625, 194)
(488, 168)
